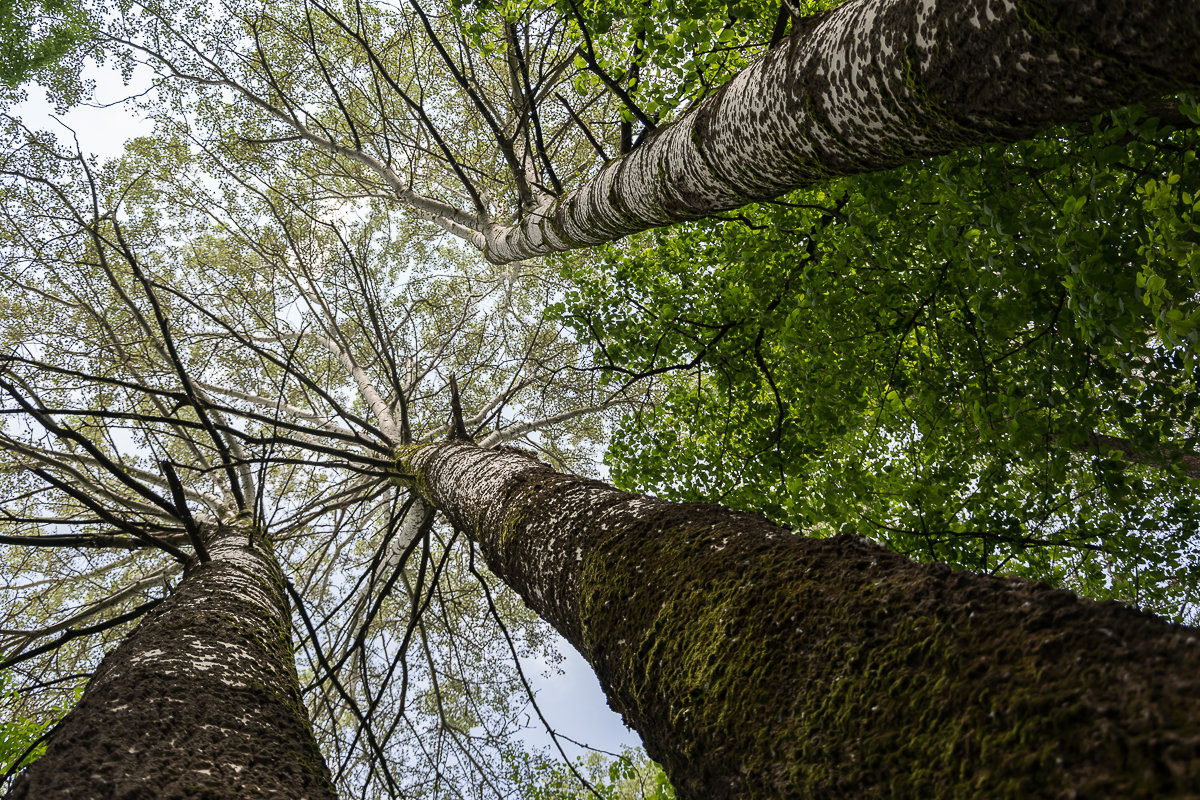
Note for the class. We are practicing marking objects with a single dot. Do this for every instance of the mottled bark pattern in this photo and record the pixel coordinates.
(761, 664)
(201, 700)
(1161, 456)
(875, 84)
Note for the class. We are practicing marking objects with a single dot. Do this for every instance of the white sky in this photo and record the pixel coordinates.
(102, 127)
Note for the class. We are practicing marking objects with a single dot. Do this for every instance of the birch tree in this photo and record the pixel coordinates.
(491, 122)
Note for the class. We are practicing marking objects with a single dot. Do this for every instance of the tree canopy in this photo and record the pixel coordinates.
(35, 35)
(228, 345)
(530, 147)
(255, 319)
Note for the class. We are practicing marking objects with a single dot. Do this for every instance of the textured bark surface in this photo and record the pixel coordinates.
(875, 84)
(1156, 456)
(756, 663)
(201, 700)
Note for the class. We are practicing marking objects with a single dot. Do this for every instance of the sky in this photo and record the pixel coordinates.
(569, 696)
(574, 705)
(102, 127)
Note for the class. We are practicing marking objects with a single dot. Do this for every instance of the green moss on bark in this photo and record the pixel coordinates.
(760, 664)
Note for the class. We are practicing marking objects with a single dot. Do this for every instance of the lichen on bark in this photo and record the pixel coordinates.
(756, 663)
(872, 85)
(201, 699)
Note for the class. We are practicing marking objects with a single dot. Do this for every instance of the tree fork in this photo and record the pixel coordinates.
(872, 85)
(200, 700)
(757, 663)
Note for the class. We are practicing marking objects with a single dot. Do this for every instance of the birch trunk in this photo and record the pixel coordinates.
(757, 663)
(200, 700)
(872, 85)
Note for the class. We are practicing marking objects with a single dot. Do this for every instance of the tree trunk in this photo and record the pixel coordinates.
(757, 663)
(1161, 456)
(872, 85)
(201, 700)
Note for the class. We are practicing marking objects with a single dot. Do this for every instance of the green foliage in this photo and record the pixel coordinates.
(631, 776)
(19, 733)
(34, 34)
(987, 359)
(667, 54)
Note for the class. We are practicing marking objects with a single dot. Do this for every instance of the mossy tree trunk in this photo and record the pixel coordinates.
(757, 663)
(200, 700)
(872, 85)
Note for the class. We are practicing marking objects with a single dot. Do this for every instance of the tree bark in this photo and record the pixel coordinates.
(872, 85)
(201, 700)
(1161, 456)
(757, 663)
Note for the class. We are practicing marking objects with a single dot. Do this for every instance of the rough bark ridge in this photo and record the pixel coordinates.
(761, 664)
(875, 84)
(201, 700)
(1161, 456)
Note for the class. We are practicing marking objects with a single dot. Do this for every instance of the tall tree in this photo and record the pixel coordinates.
(201, 699)
(587, 581)
(486, 143)
(203, 696)
(662, 644)
(758, 663)
(219, 342)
